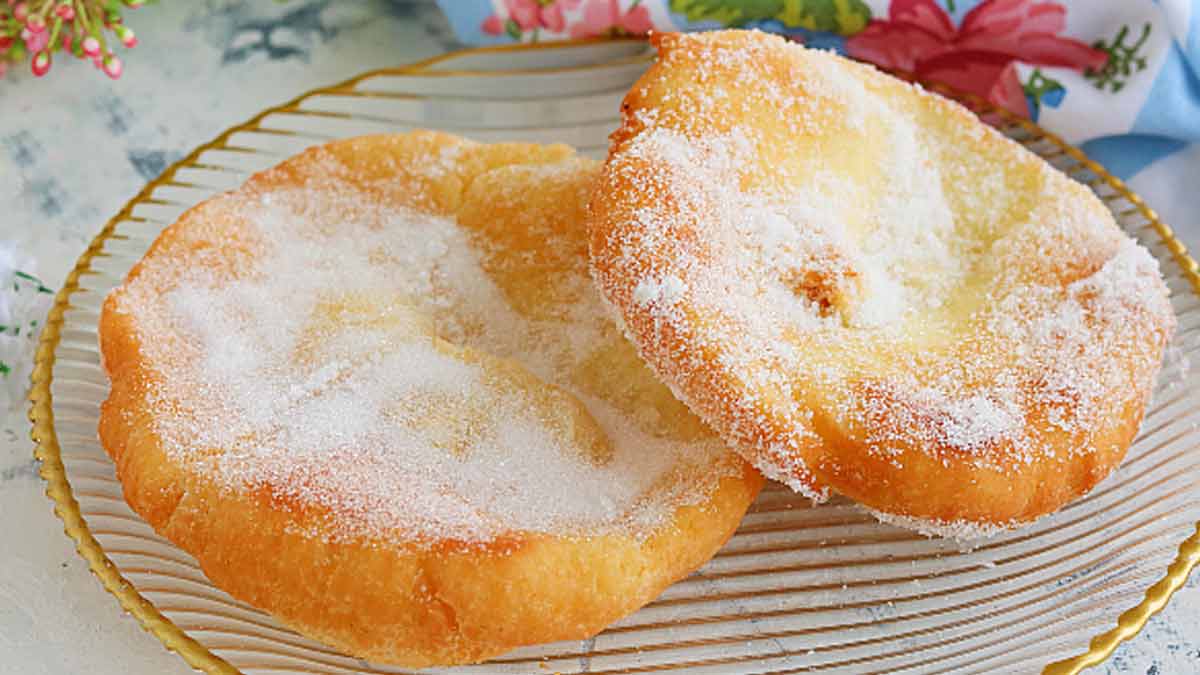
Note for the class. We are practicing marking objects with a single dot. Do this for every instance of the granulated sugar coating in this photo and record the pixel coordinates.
(374, 392)
(431, 376)
(865, 289)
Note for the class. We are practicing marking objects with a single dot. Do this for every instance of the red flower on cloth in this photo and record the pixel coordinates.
(605, 18)
(980, 55)
(527, 15)
(597, 18)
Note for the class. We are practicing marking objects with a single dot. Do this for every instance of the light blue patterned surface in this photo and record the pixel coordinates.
(75, 146)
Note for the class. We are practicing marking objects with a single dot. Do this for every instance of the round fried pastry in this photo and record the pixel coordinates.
(865, 289)
(374, 393)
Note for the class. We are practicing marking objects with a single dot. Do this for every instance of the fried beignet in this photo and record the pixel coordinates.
(375, 393)
(865, 289)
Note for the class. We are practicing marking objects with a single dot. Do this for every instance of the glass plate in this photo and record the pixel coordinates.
(797, 589)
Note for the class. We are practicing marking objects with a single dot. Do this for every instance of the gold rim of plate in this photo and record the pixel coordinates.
(58, 489)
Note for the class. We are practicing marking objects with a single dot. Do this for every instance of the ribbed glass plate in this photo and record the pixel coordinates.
(798, 589)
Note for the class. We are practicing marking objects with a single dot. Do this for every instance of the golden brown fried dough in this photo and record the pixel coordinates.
(374, 392)
(865, 289)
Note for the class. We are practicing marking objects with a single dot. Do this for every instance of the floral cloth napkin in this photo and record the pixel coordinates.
(1119, 79)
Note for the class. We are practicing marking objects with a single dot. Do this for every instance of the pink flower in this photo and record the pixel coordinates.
(552, 15)
(126, 36)
(40, 65)
(604, 17)
(112, 66)
(35, 41)
(35, 23)
(530, 15)
(980, 55)
(493, 25)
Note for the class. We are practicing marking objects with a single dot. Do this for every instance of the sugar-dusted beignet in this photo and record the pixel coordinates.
(865, 289)
(374, 393)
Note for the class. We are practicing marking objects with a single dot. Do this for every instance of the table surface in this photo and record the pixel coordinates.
(75, 146)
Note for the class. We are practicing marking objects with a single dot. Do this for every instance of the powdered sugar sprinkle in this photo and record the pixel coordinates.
(362, 361)
(906, 289)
